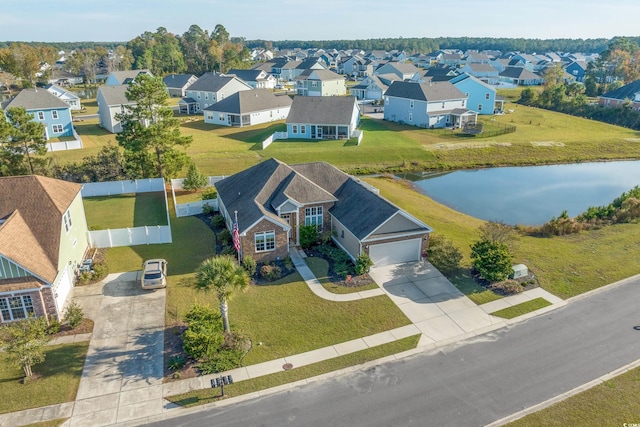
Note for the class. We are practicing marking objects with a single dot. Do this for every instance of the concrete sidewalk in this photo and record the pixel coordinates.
(122, 378)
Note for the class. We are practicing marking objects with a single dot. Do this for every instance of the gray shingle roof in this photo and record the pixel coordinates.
(128, 75)
(248, 101)
(481, 67)
(177, 81)
(329, 110)
(211, 82)
(624, 92)
(35, 99)
(246, 75)
(436, 91)
(255, 192)
(115, 95)
(519, 73)
(320, 75)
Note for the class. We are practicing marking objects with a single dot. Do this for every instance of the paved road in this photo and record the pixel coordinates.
(467, 385)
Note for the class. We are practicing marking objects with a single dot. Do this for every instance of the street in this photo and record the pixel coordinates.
(470, 384)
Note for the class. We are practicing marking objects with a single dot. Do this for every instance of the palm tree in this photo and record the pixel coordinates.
(223, 276)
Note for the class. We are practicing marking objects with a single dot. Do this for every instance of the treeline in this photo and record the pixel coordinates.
(66, 46)
(426, 45)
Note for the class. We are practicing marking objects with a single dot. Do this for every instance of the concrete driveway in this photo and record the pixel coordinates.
(122, 375)
(431, 302)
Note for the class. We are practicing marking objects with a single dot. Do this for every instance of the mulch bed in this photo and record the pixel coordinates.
(173, 347)
(351, 281)
(85, 327)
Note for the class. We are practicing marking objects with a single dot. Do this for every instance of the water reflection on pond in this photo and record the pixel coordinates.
(530, 195)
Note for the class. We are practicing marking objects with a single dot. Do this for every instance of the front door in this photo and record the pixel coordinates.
(292, 234)
(319, 132)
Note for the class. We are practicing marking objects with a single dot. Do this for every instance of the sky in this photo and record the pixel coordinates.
(123, 20)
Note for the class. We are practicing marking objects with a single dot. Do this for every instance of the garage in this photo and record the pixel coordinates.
(61, 291)
(395, 252)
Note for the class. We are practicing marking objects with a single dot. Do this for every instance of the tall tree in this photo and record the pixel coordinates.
(195, 45)
(150, 133)
(22, 152)
(223, 276)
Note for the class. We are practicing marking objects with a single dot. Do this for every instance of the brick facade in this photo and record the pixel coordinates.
(249, 247)
(326, 217)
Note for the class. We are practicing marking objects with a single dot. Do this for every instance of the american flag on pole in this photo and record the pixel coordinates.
(236, 237)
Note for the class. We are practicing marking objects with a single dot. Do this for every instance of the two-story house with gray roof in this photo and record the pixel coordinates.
(256, 78)
(177, 84)
(248, 108)
(273, 200)
(117, 78)
(320, 83)
(209, 89)
(52, 112)
(43, 241)
(111, 100)
(427, 105)
(323, 117)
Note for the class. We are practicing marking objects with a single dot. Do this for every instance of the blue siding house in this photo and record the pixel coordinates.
(427, 105)
(46, 108)
(481, 97)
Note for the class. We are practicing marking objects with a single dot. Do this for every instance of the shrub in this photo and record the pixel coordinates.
(195, 180)
(228, 250)
(270, 272)
(54, 326)
(99, 271)
(176, 362)
(221, 361)
(218, 221)
(207, 209)
(363, 264)
(73, 314)
(443, 254)
(83, 278)
(308, 236)
(224, 237)
(507, 287)
(288, 263)
(492, 260)
(249, 265)
(204, 335)
(209, 193)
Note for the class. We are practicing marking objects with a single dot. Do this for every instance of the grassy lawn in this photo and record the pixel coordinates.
(284, 315)
(320, 269)
(542, 137)
(61, 372)
(134, 210)
(201, 397)
(612, 403)
(565, 266)
(188, 196)
(523, 308)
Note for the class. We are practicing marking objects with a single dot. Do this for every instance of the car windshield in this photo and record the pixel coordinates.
(153, 275)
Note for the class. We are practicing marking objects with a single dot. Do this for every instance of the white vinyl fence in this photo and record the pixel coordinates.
(278, 135)
(358, 134)
(66, 145)
(146, 235)
(193, 208)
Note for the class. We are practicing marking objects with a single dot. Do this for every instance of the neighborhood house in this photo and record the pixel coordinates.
(273, 199)
(43, 241)
(323, 117)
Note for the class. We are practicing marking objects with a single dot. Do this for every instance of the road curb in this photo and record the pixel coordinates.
(563, 396)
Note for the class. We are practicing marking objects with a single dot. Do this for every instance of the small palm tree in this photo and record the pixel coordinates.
(223, 276)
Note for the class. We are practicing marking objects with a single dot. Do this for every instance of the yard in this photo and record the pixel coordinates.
(60, 377)
(565, 266)
(541, 137)
(284, 315)
(133, 210)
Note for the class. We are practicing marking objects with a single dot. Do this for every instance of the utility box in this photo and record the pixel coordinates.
(519, 270)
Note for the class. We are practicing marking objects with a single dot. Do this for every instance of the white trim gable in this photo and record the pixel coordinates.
(406, 216)
(279, 224)
(14, 270)
(296, 205)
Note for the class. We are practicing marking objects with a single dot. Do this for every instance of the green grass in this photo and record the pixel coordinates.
(188, 196)
(612, 403)
(60, 377)
(565, 266)
(476, 293)
(523, 308)
(125, 210)
(320, 269)
(542, 137)
(201, 397)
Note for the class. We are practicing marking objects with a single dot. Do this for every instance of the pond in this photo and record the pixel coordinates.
(530, 195)
(87, 93)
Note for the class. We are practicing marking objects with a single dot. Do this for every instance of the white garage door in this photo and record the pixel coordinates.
(396, 252)
(62, 290)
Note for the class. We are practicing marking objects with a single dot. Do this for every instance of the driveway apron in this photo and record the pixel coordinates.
(431, 302)
(122, 375)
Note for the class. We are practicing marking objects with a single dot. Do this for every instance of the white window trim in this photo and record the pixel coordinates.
(314, 216)
(54, 114)
(261, 239)
(40, 115)
(27, 308)
(57, 128)
(68, 223)
(294, 128)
